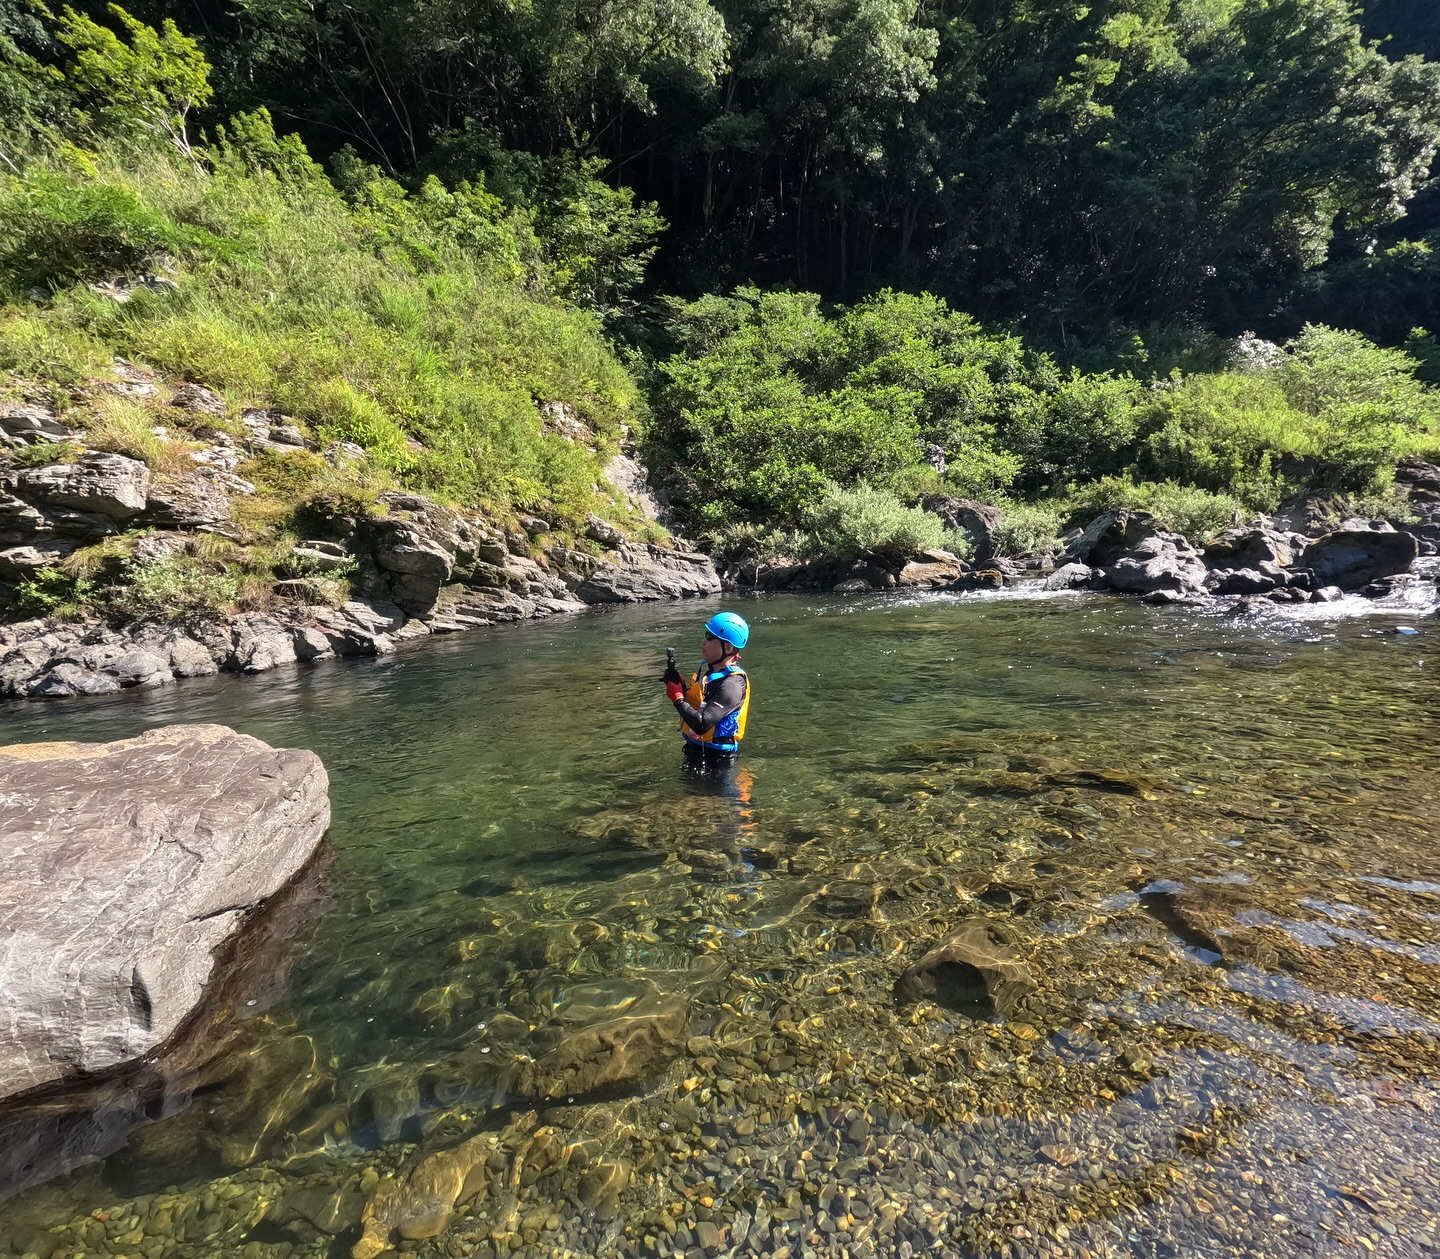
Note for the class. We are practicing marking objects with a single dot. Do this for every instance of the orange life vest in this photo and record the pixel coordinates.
(726, 734)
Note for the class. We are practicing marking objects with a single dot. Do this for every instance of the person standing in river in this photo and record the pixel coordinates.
(714, 706)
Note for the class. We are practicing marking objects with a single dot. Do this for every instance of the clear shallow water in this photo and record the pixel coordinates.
(1210, 839)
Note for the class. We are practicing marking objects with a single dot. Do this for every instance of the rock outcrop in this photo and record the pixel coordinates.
(979, 520)
(1070, 576)
(1353, 558)
(416, 567)
(927, 570)
(40, 659)
(1419, 482)
(637, 573)
(1133, 554)
(1254, 561)
(128, 865)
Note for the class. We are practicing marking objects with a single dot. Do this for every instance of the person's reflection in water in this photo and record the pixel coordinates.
(722, 777)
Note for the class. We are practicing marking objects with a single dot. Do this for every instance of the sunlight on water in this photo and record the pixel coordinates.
(650, 1012)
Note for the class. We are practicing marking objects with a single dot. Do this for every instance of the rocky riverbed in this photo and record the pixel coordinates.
(1015, 973)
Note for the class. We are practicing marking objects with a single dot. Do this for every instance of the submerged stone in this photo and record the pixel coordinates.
(620, 1051)
(968, 972)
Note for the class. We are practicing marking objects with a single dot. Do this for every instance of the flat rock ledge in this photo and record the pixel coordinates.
(48, 659)
(126, 866)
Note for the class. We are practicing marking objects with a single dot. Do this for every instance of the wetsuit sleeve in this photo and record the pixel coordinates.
(725, 698)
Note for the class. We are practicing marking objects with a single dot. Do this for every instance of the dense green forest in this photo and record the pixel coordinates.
(1067, 166)
(745, 233)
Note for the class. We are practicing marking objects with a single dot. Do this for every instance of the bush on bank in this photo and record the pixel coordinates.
(423, 324)
(768, 402)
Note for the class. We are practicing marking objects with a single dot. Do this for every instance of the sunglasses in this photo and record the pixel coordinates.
(709, 637)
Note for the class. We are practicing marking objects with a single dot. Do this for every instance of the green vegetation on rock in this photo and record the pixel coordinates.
(460, 298)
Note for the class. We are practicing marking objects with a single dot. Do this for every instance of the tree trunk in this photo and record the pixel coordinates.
(908, 216)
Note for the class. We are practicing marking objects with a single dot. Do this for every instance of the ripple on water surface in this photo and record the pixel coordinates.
(565, 996)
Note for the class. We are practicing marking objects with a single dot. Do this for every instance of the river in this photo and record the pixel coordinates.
(1210, 840)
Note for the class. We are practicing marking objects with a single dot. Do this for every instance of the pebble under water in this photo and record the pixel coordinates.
(563, 998)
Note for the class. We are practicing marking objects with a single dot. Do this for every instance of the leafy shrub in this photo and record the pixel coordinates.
(1329, 368)
(388, 322)
(1196, 513)
(768, 402)
(149, 85)
(1396, 508)
(1228, 434)
(249, 146)
(958, 543)
(290, 476)
(980, 471)
(1082, 427)
(1331, 410)
(849, 523)
(1028, 529)
(54, 592)
(58, 229)
(37, 454)
(175, 588)
(1367, 400)
(738, 543)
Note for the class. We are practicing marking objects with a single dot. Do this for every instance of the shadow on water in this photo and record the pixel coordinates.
(622, 1007)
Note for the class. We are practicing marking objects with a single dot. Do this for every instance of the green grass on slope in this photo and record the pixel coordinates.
(410, 325)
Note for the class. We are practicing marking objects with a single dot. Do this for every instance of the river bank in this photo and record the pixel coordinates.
(1204, 836)
(1119, 553)
(380, 568)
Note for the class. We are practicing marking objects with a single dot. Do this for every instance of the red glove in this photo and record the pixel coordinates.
(674, 690)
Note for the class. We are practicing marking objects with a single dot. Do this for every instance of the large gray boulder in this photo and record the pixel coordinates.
(1137, 556)
(112, 485)
(1261, 579)
(128, 865)
(930, 570)
(1111, 535)
(1353, 558)
(636, 573)
(1165, 562)
(1250, 548)
(1070, 577)
(980, 521)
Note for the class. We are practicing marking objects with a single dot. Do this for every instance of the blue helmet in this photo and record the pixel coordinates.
(730, 627)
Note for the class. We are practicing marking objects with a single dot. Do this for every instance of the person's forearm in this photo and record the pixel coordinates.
(704, 719)
(728, 698)
(694, 717)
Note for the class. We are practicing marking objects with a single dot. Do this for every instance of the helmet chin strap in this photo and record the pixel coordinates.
(728, 652)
